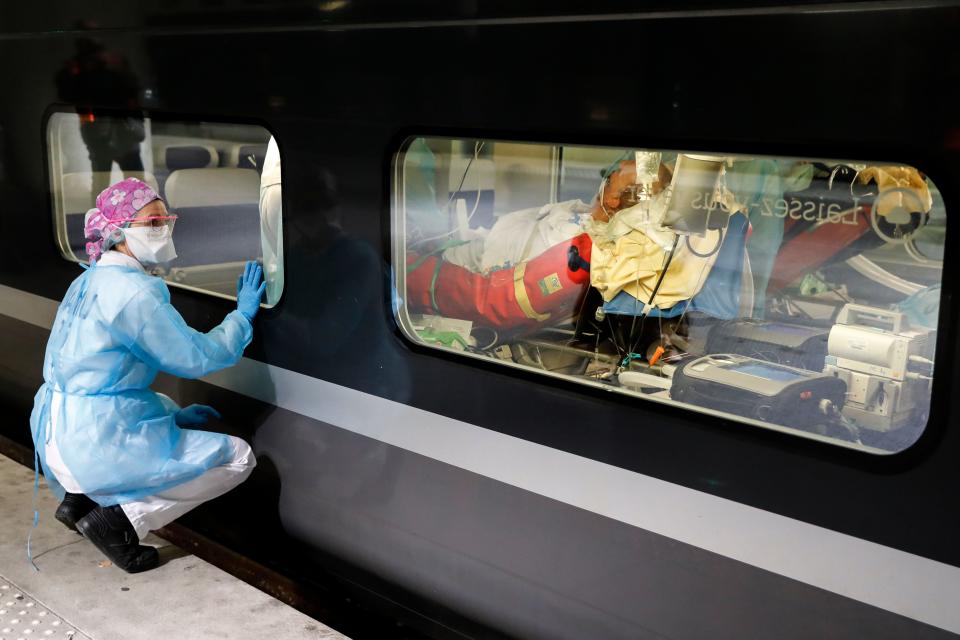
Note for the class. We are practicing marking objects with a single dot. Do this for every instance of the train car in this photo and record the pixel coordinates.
(628, 320)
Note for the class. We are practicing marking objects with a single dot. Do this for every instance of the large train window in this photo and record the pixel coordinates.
(221, 180)
(794, 294)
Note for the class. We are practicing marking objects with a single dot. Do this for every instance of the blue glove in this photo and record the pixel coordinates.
(195, 415)
(250, 288)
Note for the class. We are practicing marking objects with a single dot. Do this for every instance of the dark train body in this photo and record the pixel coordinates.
(484, 500)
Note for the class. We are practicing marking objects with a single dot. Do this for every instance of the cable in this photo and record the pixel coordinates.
(491, 344)
(914, 252)
(832, 411)
(613, 338)
(716, 247)
(663, 273)
(477, 147)
(603, 207)
(605, 176)
(700, 280)
(653, 294)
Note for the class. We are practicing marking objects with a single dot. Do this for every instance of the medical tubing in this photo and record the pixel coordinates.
(663, 273)
(709, 253)
(477, 147)
(646, 309)
(446, 245)
(703, 270)
(656, 288)
(914, 252)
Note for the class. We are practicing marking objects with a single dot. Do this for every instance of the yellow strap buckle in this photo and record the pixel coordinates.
(520, 290)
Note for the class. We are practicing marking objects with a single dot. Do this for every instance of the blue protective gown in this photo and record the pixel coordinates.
(113, 332)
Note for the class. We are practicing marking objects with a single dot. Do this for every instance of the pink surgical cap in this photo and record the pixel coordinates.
(115, 206)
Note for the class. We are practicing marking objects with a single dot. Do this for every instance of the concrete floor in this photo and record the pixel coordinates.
(78, 594)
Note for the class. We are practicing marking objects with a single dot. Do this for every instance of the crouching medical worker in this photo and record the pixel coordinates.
(113, 446)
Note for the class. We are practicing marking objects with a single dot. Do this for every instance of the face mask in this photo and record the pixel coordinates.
(150, 245)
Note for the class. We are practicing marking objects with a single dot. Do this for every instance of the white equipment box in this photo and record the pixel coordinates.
(887, 367)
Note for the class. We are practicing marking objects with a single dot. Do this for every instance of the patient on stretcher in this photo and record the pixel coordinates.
(527, 233)
(534, 265)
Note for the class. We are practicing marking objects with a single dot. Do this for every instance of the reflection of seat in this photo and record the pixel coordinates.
(175, 157)
(219, 215)
(77, 199)
(720, 296)
(198, 156)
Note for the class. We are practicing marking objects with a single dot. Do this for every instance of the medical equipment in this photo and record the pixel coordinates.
(794, 345)
(647, 176)
(886, 365)
(648, 170)
(639, 381)
(760, 390)
(695, 204)
(897, 214)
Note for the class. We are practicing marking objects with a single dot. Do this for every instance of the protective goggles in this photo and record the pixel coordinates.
(154, 222)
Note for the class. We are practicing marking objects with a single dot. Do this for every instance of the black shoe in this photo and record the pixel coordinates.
(74, 507)
(111, 532)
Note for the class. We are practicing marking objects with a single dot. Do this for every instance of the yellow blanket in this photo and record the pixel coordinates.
(630, 251)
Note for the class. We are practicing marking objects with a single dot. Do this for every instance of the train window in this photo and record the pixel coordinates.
(800, 295)
(221, 180)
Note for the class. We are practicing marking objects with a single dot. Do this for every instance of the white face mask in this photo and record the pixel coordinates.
(150, 245)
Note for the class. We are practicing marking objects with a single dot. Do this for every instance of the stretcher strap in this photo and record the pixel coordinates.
(523, 300)
(436, 252)
(436, 268)
(519, 288)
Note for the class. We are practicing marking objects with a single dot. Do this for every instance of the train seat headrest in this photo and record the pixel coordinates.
(191, 157)
(212, 187)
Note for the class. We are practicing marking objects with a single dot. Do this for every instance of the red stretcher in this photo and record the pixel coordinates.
(545, 290)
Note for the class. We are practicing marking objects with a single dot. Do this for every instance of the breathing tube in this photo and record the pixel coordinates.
(663, 273)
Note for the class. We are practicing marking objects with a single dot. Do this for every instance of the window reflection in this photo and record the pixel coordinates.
(222, 180)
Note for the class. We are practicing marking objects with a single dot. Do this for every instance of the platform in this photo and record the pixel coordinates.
(78, 594)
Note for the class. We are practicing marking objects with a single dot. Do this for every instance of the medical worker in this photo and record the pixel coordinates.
(113, 446)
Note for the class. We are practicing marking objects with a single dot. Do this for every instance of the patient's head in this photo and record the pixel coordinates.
(619, 190)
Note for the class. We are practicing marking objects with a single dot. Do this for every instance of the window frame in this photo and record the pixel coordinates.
(53, 167)
(401, 314)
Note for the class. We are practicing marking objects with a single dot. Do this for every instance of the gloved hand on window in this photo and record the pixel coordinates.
(195, 415)
(250, 288)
